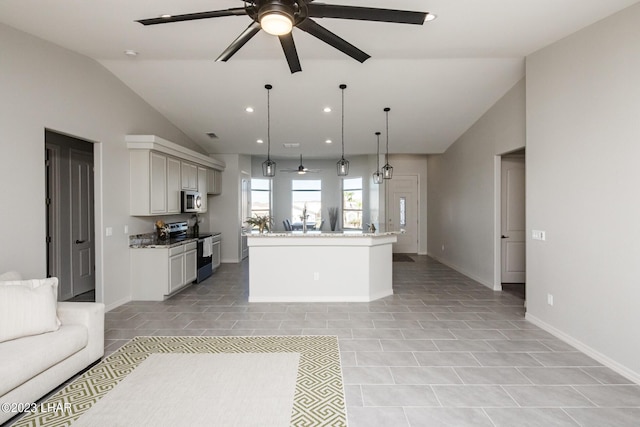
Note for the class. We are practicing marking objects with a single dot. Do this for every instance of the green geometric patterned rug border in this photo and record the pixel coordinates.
(318, 398)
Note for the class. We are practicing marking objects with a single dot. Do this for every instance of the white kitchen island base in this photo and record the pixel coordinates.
(324, 267)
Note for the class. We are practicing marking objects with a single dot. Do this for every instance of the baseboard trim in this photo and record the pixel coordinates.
(589, 351)
(117, 304)
(466, 273)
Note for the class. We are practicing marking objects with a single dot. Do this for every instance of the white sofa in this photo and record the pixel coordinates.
(32, 366)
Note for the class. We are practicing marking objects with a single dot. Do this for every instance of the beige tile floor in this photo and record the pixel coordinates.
(442, 351)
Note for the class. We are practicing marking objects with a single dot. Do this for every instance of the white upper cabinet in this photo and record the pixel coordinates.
(189, 176)
(174, 185)
(214, 182)
(160, 170)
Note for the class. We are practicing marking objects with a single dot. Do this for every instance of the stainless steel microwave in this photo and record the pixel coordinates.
(191, 201)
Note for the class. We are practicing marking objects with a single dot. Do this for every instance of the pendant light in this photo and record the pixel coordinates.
(377, 175)
(268, 166)
(343, 165)
(387, 169)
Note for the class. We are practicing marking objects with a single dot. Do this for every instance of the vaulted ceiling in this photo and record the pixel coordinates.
(437, 78)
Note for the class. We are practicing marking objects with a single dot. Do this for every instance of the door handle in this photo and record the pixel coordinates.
(504, 237)
(78, 242)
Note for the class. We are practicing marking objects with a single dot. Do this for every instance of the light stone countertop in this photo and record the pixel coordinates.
(298, 234)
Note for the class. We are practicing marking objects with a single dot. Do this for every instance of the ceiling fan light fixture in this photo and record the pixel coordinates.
(276, 19)
(268, 166)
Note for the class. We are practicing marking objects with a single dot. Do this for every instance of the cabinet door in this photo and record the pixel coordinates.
(202, 186)
(176, 272)
(189, 176)
(190, 266)
(158, 183)
(173, 185)
(214, 185)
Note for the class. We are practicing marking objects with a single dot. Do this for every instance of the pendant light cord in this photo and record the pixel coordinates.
(386, 157)
(268, 122)
(378, 153)
(343, 88)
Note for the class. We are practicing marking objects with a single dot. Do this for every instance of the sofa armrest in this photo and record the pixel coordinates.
(90, 315)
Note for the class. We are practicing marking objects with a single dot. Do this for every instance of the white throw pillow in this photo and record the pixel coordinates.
(28, 307)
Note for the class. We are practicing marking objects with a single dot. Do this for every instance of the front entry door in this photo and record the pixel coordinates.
(82, 223)
(403, 212)
(513, 220)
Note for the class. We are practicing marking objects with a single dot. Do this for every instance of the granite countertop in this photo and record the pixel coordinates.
(150, 240)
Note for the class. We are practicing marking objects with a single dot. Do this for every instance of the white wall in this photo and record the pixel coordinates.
(45, 86)
(461, 188)
(583, 146)
(224, 210)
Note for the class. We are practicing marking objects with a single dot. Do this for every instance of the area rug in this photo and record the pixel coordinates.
(213, 381)
(402, 258)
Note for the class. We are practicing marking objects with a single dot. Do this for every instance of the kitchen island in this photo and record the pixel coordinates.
(320, 267)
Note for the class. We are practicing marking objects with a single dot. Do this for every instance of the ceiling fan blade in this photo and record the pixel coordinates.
(317, 30)
(242, 39)
(320, 10)
(193, 16)
(290, 52)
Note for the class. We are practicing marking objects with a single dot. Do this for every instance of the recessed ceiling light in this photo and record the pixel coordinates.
(260, 141)
(430, 17)
(328, 141)
(249, 109)
(327, 109)
(130, 52)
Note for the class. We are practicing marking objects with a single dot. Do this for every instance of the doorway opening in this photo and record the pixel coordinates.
(510, 272)
(70, 215)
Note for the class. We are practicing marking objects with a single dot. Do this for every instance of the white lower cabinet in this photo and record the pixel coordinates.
(159, 272)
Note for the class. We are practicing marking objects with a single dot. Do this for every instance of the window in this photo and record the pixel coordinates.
(309, 193)
(352, 203)
(260, 197)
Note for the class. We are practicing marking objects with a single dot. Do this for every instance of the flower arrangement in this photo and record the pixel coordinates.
(263, 222)
(162, 230)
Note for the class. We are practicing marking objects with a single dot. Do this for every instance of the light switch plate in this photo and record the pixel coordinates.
(108, 231)
(538, 235)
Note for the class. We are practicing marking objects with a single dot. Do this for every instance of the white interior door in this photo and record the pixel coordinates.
(403, 212)
(513, 220)
(82, 223)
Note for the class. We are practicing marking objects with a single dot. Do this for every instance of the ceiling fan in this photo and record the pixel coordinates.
(278, 17)
(301, 170)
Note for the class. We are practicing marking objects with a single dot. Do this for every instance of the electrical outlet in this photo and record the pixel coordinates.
(442, 248)
(316, 276)
(108, 231)
(549, 299)
(126, 229)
